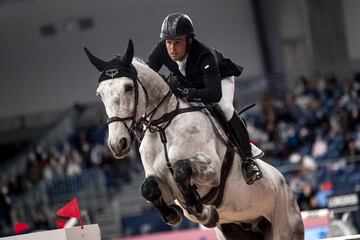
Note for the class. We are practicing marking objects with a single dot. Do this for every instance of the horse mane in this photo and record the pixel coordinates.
(145, 69)
(154, 83)
(140, 60)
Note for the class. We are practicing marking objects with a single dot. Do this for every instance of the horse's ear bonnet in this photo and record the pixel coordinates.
(127, 58)
(116, 67)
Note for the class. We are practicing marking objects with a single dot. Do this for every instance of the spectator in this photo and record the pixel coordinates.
(73, 168)
(306, 198)
(297, 184)
(325, 190)
(269, 114)
(15, 187)
(84, 148)
(74, 162)
(351, 150)
(5, 210)
(96, 155)
(40, 221)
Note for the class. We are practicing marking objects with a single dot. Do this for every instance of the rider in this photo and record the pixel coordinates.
(202, 74)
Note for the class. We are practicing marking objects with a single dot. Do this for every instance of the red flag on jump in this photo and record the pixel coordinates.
(21, 227)
(71, 210)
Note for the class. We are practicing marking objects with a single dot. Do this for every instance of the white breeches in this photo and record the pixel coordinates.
(226, 101)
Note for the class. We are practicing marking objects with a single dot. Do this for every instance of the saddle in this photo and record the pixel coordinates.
(221, 127)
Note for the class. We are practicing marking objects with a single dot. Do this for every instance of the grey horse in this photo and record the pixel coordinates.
(183, 155)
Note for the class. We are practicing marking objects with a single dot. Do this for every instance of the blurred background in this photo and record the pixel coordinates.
(301, 62)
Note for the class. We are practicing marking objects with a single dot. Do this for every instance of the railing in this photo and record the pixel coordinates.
(89, 187)
(60, 124)
(59, 130)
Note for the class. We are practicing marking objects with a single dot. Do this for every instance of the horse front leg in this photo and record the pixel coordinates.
(171, 214)
(200, 169)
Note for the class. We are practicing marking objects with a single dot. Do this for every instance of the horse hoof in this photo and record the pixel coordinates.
(209, 217)
(175, 217)
(213, 219)
(195, 209)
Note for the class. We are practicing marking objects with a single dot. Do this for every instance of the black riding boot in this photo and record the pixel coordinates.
(251, 170)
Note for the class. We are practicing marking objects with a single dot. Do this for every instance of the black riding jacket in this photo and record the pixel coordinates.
(205, 67)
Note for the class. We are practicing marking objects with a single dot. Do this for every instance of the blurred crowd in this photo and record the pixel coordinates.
(314, 131)
(83, 150)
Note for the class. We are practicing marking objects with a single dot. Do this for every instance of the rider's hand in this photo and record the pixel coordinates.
(177, 88)
(174, 84)
(172, 81)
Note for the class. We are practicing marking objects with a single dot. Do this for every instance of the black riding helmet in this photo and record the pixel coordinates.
(176, 26)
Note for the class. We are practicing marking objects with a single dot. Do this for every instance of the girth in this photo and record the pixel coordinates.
(215, 195)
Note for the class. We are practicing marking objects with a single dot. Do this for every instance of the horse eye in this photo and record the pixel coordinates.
(129, 87)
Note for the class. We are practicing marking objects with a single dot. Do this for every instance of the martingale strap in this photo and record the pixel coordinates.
(164, 141)
(168, 117)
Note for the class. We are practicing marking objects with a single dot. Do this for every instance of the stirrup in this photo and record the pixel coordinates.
(252, 179)
(255, 176)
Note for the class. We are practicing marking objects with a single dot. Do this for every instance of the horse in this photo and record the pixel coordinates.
(190, 169)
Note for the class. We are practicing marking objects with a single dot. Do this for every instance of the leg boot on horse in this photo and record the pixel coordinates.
(150, 190)
(182, 175)
(240, 135)
(207, 214)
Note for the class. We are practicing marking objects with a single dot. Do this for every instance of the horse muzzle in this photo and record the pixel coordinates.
(120, 148)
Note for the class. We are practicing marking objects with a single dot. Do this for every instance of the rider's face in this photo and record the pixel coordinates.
(176, 49)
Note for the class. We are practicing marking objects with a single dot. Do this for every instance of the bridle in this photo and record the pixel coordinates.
(132, 74)
(147, 118)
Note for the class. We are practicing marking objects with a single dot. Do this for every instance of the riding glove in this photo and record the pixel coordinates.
(180, 91)
(175, 86)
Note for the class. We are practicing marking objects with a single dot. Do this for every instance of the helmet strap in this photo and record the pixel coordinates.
(188, 43)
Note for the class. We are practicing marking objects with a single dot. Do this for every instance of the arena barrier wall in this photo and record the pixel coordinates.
(90, 232)
(353, 237)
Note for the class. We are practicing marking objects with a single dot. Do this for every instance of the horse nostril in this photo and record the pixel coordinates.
(123, 143)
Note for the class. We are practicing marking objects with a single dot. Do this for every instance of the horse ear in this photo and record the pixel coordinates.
(98, 63)
(127, 58)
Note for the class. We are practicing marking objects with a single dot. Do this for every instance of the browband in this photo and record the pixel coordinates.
(118, 71)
